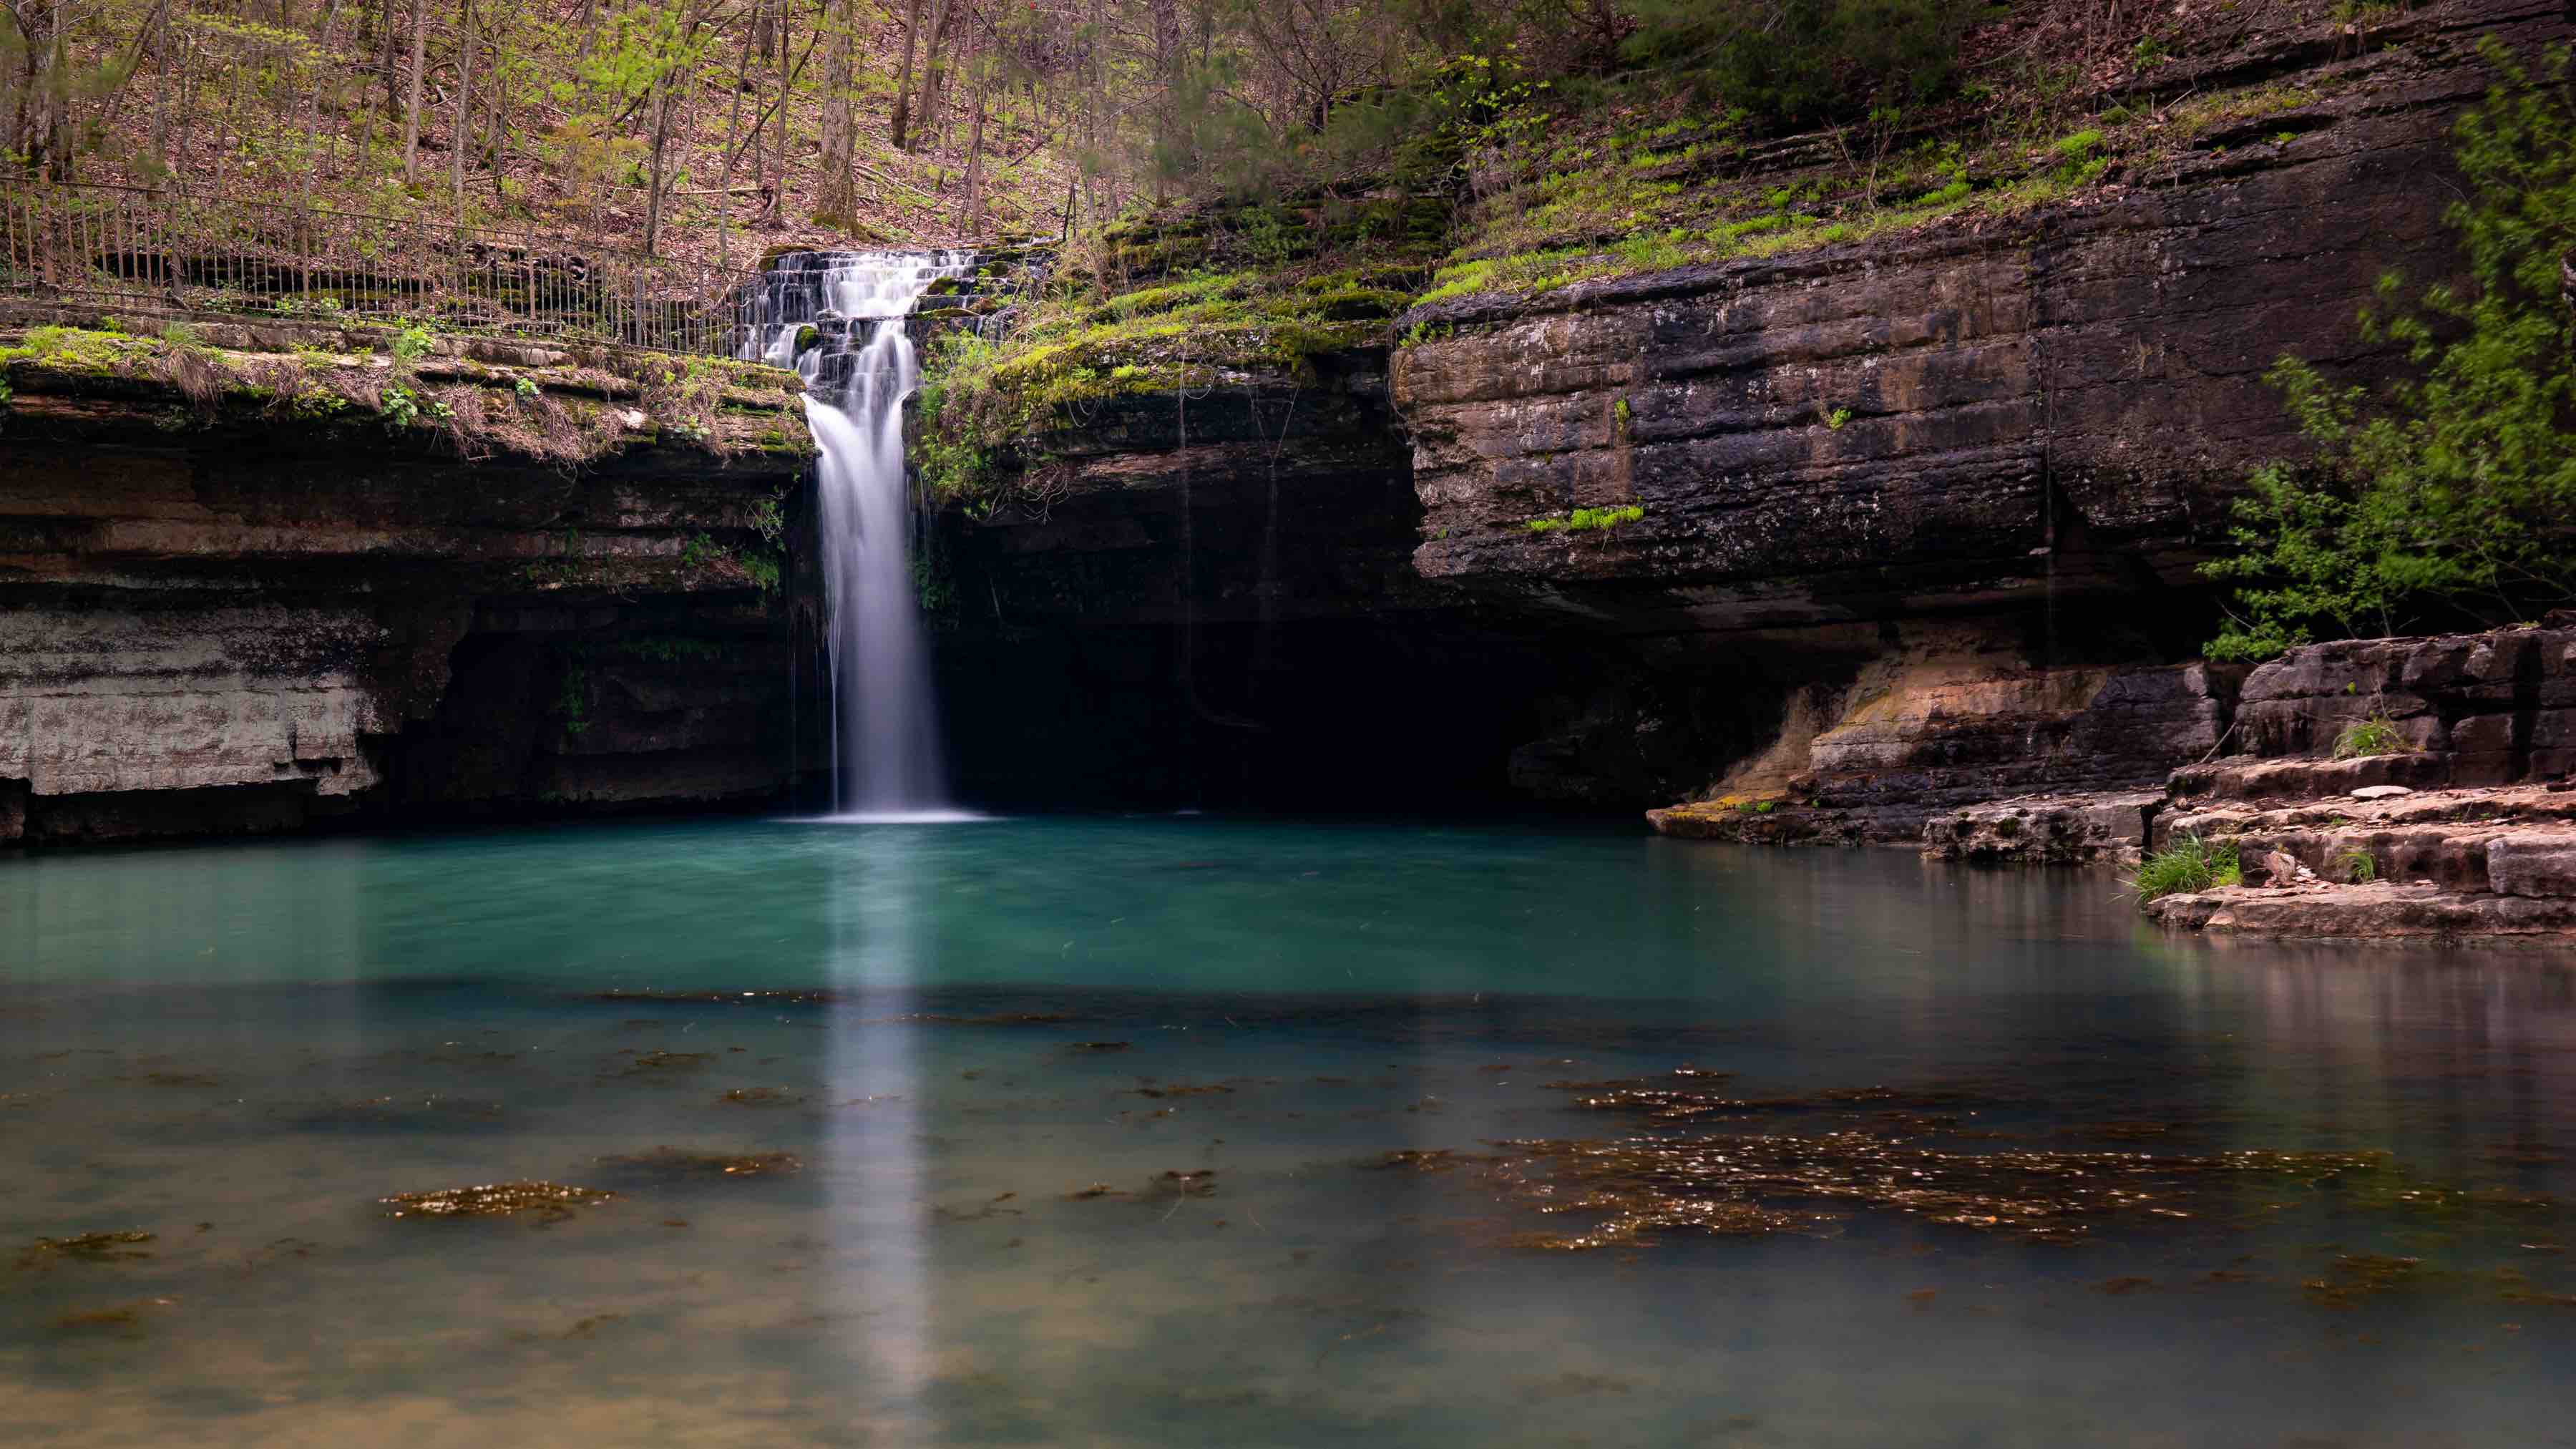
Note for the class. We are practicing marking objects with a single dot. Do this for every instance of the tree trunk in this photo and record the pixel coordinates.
(903, 82)
(836, 203)
(1167, 66)
(461, 124)
(786, 80)
(313, 103)
(386, 37)
(411, 116)
(934, 68)
(37, 132)
(975, 166)
(661, 145)
(495, 140)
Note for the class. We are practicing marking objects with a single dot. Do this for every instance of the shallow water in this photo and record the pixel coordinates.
(1228, 1027)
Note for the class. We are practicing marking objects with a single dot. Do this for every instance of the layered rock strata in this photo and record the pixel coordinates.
(244, 587)
(2004, 406)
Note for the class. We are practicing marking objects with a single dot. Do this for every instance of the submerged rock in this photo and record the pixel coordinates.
(1781, 1183)
(550, 1201)
(672, 1164)
(778, 997)
(85, 1248)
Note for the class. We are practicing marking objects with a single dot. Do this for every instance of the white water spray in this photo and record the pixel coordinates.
(858, 366)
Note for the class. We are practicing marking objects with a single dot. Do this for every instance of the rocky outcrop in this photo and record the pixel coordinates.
(1951, 715)
(2376, 911)
(2042, 405)
(2045, 830)
(235, 597)
(2470, 829)
(1936, 500)
(2489, 708)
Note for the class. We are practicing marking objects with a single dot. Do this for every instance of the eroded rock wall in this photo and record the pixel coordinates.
(2043, 405)
(220, 612)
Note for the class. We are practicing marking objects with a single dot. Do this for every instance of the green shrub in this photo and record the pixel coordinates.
(2355, 865)
(2186, 864)
(2446, 498)
(411, 342)
(2377, 735)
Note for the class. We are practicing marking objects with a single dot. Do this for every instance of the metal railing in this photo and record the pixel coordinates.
(164, 249)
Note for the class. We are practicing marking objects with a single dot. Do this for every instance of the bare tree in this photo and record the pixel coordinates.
(903, 78)
(411, 116)
(837, 198)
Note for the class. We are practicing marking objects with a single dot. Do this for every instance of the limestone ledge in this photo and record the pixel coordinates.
(2380, 910)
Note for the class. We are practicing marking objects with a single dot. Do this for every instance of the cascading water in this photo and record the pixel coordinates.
(858, 365)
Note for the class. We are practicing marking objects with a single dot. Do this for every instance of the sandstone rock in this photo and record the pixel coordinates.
(2042, 830)
(2533, 865)
(2370, 912)
(2237, 778)
(1787, 825)
(2381, 792)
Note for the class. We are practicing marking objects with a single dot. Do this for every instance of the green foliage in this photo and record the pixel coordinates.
(2354, 865)
(1587, 520)
(2377, 735)
(411, 341)
(398, 407)
(1839, 416)
(525, 388)
(1796, 61)
(310, 401)
(2186, 864)
(2446, 497)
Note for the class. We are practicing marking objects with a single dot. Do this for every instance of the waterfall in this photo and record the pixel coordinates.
(858, 367)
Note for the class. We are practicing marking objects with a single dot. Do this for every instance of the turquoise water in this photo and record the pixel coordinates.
(1128, 1132)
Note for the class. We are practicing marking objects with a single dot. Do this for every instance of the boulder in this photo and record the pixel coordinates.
(2532, 865)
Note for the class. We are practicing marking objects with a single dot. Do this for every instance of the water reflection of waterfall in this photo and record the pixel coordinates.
(838, 319)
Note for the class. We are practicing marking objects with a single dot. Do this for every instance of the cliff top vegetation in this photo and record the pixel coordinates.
(724, 130)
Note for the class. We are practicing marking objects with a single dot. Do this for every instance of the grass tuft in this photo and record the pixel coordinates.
(2186, 864)
(2377, 735)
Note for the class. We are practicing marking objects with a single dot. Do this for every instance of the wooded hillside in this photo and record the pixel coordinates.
(718, 129)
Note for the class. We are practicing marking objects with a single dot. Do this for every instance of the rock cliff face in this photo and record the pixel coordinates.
(1211, 601)
(2049, 404)
(233, 597)
(1917, 517)
(1917, 521)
